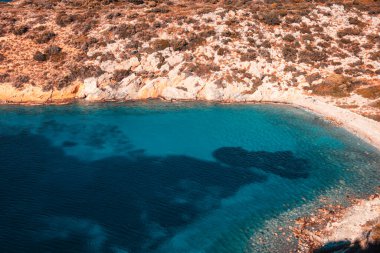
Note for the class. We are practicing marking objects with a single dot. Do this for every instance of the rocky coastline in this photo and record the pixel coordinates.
(322, 56)
(335, 228)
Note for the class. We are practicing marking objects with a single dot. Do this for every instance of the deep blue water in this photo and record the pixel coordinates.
(157, 177)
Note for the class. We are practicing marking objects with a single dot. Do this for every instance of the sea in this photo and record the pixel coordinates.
(157, 177)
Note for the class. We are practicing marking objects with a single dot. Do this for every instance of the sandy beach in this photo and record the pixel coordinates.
(365, 128)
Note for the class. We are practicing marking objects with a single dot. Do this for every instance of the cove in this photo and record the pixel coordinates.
(169, 177)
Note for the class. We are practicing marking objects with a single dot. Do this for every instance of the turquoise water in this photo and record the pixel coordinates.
(160, 177)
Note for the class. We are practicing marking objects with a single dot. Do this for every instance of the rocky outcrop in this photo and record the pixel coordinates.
(338, 229)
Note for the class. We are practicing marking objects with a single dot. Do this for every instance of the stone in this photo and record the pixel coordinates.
(90, 89)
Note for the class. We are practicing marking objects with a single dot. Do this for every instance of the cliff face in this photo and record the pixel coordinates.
(58, 51)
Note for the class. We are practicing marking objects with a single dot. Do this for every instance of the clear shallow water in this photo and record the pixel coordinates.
(157, 177)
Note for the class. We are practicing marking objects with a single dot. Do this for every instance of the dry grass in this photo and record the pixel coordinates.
(375, 117)
(376, 104)
(334, 85)
(372, 92)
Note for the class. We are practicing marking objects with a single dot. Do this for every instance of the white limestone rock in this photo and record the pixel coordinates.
(90, 88)
(128, 88)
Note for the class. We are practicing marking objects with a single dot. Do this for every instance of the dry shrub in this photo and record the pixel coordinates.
(83, 72)
(250, 55)
(4, 78)
(266, 44)
(289, 53)
(318, 29)
(120, 74)
(114, 15)
(205, 11)
(376, 104)
(265, 54)
(375, 117)
(356, 72)
(125, 31)
(372, 92)
(220, 83)
(293, 19)
(373, 38)
(179, 44)
(222, 51)
(232, 22)
(312, 56)
(160, 44)
(375, 56)
(289, 68)
(108, 56)
(64, 20)
(195, 40)
(200, 69)
(55, 53)
(161, 60)
(143, 26)
(323, 45)
(230, 34)
(313, 77)
(338, 71)
(355, 21)
(159, 10)
(289, 38)
(85, 26)
(349, 31)
(45, 37)
(307, 37)
(272, 18)
(65, 81)
(304, 29)
(40, 57)
(20, 30)
(207, 33)
(20, 81)
(2, 57)
(137, 2)
(334, 85)
(146, 35)
(53, 50)
(133, 16)
(133, 45)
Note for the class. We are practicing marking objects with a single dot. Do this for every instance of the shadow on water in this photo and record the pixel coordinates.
(51, 202)
(281, 163)
(348, 247)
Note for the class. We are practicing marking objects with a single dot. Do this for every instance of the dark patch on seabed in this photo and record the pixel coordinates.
(282, 163)
(51, 202)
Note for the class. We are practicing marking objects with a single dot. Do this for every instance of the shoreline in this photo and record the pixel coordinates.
(362, 127)
(366, 129)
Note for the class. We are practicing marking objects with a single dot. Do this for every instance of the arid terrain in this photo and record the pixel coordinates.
(57, 51)
(319, 55)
